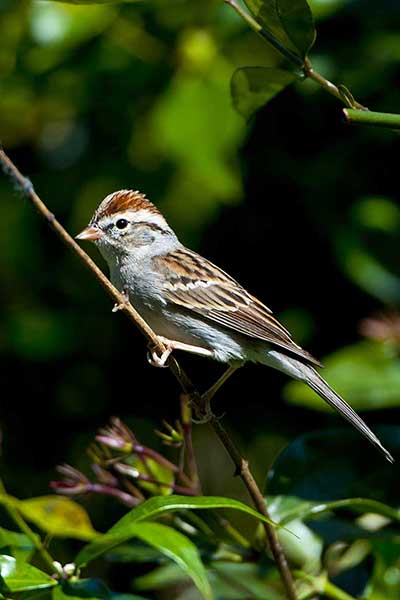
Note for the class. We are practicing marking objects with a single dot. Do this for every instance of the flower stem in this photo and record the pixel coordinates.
(186, 419)
(24, 527)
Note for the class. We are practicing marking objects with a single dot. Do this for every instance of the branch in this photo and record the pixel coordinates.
(242, 468)
(368, 117)
(355, 112)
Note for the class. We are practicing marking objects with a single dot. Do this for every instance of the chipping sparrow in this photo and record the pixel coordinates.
(193, 305)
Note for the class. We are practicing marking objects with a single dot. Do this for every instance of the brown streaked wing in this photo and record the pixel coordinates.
(200, 286)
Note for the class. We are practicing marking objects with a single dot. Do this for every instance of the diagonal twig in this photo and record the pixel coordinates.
(24, 185)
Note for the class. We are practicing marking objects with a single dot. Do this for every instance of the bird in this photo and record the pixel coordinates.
(193, 305)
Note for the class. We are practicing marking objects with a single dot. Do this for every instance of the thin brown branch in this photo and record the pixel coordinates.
(242, 468)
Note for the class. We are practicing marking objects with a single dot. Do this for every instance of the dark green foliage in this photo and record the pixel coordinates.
(291, 21)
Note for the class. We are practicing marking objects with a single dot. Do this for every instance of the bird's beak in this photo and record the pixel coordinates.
(90, 233)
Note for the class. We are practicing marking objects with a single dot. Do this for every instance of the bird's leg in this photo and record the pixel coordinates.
(160, 361)
(206, 398)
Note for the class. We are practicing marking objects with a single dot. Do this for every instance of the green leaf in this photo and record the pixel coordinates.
(58, 516)
(253, 87)
(365, 374)
(290, 21)
(17, 544)
(166, 575)
(336, 465)
(169, 542)
(133, 552)
(385, 581)
(96, 1)
(286, 509)
(89, 589)
(17, 576)
(152, 508)
(116, 596)
(305, 549)
(241, 581)
(85, 588)
(41, 594)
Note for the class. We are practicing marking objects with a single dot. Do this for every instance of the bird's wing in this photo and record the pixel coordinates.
(196, 284)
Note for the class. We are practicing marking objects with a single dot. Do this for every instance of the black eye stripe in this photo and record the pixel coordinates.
(152, 226)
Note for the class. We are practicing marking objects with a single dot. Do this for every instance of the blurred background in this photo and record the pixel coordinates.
(299, 207)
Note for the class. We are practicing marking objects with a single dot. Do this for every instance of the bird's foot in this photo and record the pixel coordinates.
(157, 360)
(125, 301)
(204, 414)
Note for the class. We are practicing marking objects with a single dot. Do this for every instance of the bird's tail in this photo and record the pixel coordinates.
(309, 375)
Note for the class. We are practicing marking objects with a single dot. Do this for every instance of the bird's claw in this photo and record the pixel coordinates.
(155, 360)
(121, 305)
(205, 414)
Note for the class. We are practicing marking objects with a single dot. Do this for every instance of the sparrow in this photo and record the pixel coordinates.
(193, 305)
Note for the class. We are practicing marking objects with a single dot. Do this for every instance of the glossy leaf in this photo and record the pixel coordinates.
(286, 509)
(17, 576)
(366, 374)
(253, 87)
(304, 549)
(152, 508)
(290, 21)
(337, 464)
(169, 542)
(58, 516)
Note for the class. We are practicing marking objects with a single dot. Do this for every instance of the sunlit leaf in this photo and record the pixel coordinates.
(58, 516)
(253, 87)
(152, 508)
(169, 542)
(17, 576)
(365, 374)
(290, 21)
(302, 546)
(286, 509)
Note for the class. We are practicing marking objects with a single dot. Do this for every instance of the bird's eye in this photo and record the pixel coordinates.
(122, 223)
